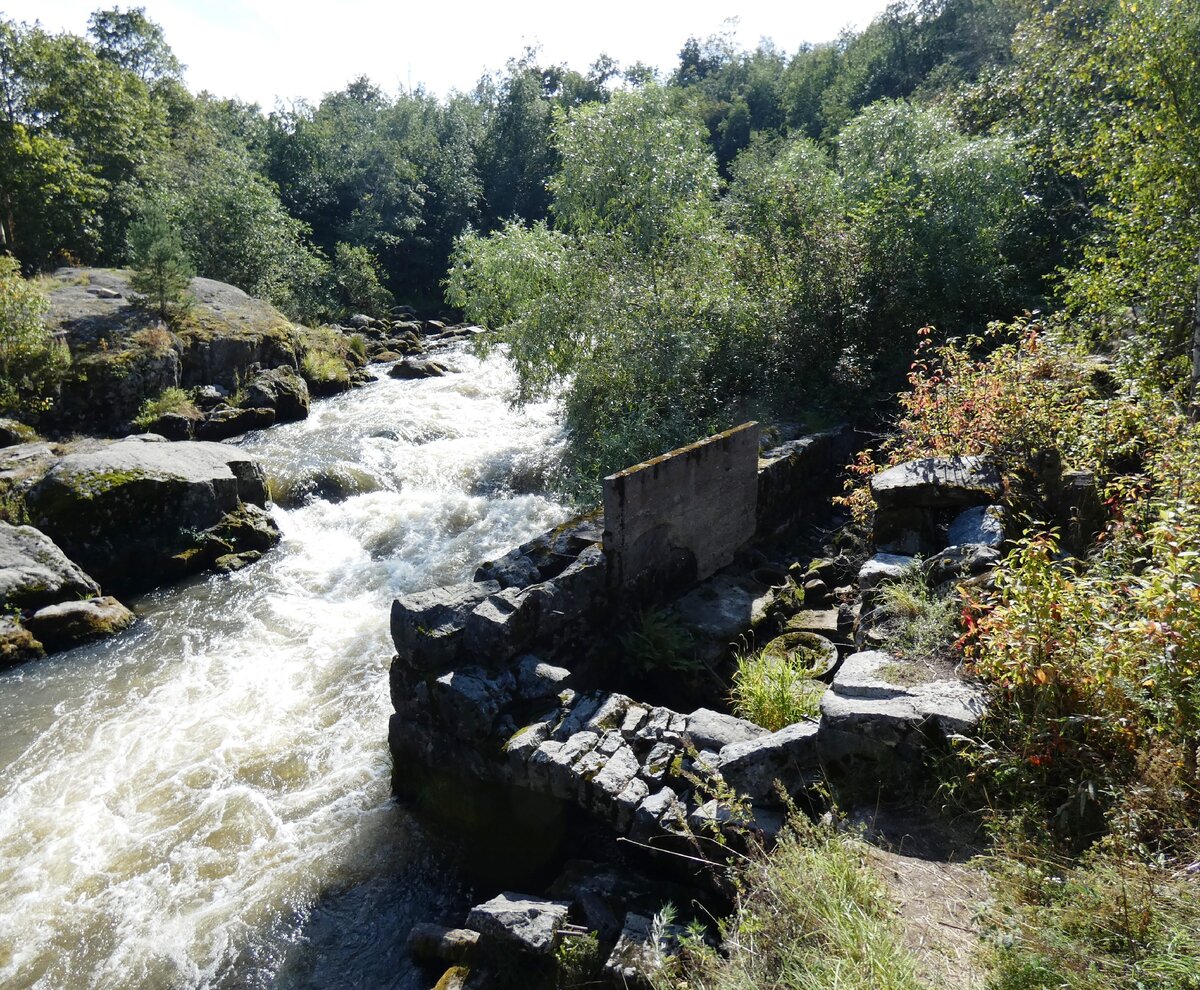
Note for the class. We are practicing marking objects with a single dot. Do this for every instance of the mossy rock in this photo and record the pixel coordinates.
(804, 651)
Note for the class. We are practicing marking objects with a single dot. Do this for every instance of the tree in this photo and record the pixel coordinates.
(134, 42)
(31, 360)
(162, 270)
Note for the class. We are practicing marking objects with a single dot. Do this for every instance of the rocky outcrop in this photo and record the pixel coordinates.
(34, 572)
(137, 513)
(281, 390)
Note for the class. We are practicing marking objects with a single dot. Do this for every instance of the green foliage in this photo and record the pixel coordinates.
(918, 624)
(162, 270)
(322, 367)
(577, 961)
(356, 274)
(172, 400)
(1109, 923)
(810, 916)
(775, 689)
(660, 642)
(32, 362)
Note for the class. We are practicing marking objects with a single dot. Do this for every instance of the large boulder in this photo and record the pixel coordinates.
(135, 514)
(937, 483)
(34, 572)
(17, 643)
(280, 389)
(221, 424)
(523, 923)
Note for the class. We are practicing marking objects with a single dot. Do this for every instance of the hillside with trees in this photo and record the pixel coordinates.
(990, 207)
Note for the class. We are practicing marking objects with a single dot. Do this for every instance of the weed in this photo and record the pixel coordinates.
(918, 624)
(775, 688)
(660, 642)
(170, 401)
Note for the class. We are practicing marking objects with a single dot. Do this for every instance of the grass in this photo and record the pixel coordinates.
(774, 689)
(811, 916)
(659, 642)
(170, 400)
(1108, 922)
(321, 367)
(918, 624)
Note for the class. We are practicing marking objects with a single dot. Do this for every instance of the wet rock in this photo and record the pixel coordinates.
(68, 623)
(220, 424)
(937, 482)
(428, 943)
(227, 563)
(788, 756)
(713, 730)
(280, 389)
(17, 644)
(134, 514)
(34, 572)
(418, 369)
(980, 525)
(427, 627)
(523, 923)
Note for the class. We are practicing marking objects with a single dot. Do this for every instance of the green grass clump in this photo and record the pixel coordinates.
(774, 689)
(659, 642)
(811, 916)
(321, 366)
(169, 400)
(919, 625)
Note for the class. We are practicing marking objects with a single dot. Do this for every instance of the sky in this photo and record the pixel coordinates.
(262, 51)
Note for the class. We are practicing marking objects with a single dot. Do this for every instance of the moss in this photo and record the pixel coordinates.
(901, 674)
(92, 486)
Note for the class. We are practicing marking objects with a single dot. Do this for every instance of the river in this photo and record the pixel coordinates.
(204, 800)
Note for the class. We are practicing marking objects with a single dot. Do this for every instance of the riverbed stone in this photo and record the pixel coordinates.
(134, 514)
(17, 644)
(34, 572)
(516, 921)
(226, 422)
(280, 389)
(69, 623)
(417, 368)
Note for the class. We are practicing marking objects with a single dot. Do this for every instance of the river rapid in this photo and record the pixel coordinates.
(204, 801)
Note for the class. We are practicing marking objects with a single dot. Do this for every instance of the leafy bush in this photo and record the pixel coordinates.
(32, 362)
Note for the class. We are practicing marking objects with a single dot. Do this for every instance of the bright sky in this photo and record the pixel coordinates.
(260, 50)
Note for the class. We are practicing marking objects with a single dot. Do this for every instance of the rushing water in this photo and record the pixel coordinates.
(204, 801)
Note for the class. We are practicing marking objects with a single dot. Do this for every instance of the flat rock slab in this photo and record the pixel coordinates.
(524, 923)
(937, 483)
(714, 730)
(34, 572)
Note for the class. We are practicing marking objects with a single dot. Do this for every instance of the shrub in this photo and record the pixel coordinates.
(170, 400)
(32, 362)
(162, 270)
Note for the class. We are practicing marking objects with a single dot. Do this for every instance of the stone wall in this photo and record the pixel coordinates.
(679, 518)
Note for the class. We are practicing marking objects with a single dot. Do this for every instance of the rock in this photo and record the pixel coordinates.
(17, 643)
(960, 562)
(334, 483)
(360, 321)
(417, 369)
(173, 426)
(13, 432)
(937, 482)
(220, 424)
(537, 681)
(524, 923)
(713, 730)
(871, 712)
(227, 563)
(789, 756)
(513, 570)
(721, 610)
(427, 627)
(134, 514)
(209, 396)
(980, 525)
(428, 942)
(882, 568)
(823, 622)
(280, 389)
(467, 702)
(34, 572)
(68, 623)
(638, 955)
